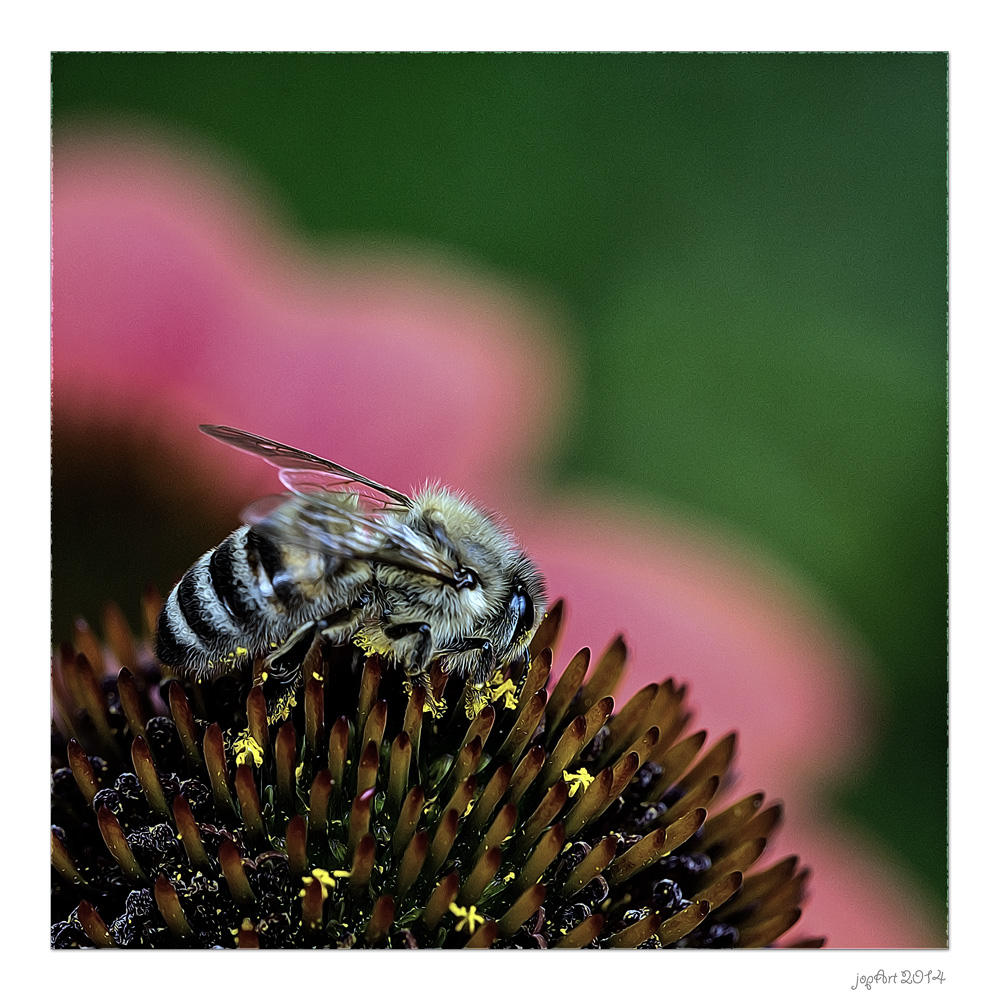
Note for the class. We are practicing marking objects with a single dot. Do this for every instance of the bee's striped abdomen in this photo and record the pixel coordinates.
(176, 644)
(203, 609)
(232, 580)
(214, 610)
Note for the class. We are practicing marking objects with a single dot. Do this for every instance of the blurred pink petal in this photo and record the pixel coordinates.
(857, 897)
(167, 297)
(173, 306)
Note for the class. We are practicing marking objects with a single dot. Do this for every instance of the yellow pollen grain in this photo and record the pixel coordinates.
(371, 643)
(577, 780)
(468, 918)
(324, 876)
(246, 748)
(325, 879)
(283, 708)
(507, 691)
(434, 707)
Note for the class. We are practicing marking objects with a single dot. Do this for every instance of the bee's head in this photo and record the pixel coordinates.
(491, 574)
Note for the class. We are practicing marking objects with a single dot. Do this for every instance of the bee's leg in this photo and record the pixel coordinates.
(413, 646)
(281, 672)
(473, 658)
(340, 626)
(272, 658)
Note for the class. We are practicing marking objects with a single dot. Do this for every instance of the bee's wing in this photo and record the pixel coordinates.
(306, 474)
(331, 523)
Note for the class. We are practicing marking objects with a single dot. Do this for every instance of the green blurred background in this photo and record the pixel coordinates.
(750, 253)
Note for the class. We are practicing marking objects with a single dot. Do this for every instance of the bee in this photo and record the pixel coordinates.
(415, 579)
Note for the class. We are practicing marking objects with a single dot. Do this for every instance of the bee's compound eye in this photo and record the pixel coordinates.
(523, 610)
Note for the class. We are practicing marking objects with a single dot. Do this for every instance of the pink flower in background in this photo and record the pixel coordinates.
(175, 305)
